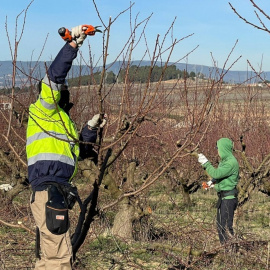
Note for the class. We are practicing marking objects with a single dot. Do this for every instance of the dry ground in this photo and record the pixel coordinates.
(172, 237)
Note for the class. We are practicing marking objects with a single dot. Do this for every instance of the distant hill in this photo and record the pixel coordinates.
(231, 76)
(38, 71)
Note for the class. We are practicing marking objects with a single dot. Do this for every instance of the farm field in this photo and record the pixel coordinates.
(171, 237)
(151, 129)
(172, 220)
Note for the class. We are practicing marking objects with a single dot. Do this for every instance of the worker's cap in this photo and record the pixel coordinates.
(94, 122)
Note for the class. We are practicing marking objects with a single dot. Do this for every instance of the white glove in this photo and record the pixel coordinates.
(95, 121)
(210, 184)
(202, 159)
(104, 121)
(78, 35)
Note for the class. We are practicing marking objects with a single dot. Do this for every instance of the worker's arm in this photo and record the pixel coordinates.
(89, 136)
(56, 75)
(218, 173)
(57, 72)
(61, 65)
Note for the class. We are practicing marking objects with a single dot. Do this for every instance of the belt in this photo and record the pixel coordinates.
(40, 188)
(45, 185)
(225, 193)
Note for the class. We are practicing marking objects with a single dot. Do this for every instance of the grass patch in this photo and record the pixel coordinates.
(173, 236)
(108, 244)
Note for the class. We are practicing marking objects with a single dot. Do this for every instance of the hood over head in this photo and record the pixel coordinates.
(225, 147)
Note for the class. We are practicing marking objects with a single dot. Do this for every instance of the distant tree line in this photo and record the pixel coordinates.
(141, 74)
(92, 79)
(7, 91)
(136, 74)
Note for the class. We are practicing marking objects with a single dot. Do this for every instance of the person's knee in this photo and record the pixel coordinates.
(57, 246)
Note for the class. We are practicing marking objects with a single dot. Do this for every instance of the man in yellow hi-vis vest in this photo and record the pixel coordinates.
(52, 152)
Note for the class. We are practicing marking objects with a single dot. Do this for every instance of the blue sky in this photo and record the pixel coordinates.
(214, 26)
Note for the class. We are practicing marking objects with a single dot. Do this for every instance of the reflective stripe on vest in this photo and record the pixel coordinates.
(50, 156)
(47, 105)
(43, 135)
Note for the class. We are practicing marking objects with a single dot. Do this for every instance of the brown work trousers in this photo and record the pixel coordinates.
(56, 250)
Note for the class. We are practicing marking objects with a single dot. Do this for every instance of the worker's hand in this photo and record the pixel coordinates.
(210, 184)
(78, 35)
(207, 185)
(202, 159)
(95, 122)
(104, 121)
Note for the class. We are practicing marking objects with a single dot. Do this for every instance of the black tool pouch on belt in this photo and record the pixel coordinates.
(71, 195)
(57, 220)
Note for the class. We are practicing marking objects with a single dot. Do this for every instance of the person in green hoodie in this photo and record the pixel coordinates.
(225, 179)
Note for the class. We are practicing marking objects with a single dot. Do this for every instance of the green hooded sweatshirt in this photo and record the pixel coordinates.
(227, 172)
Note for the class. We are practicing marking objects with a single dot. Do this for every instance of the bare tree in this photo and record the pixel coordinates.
(255, 175)
(153, 128)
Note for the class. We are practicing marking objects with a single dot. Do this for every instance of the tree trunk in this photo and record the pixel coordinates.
(122, 225)
(129, 209)
(184, 187)
(186, 196)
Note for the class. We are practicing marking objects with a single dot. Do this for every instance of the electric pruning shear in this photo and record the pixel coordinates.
(87, 29)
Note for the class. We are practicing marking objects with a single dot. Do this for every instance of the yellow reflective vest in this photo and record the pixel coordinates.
(52, 150)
